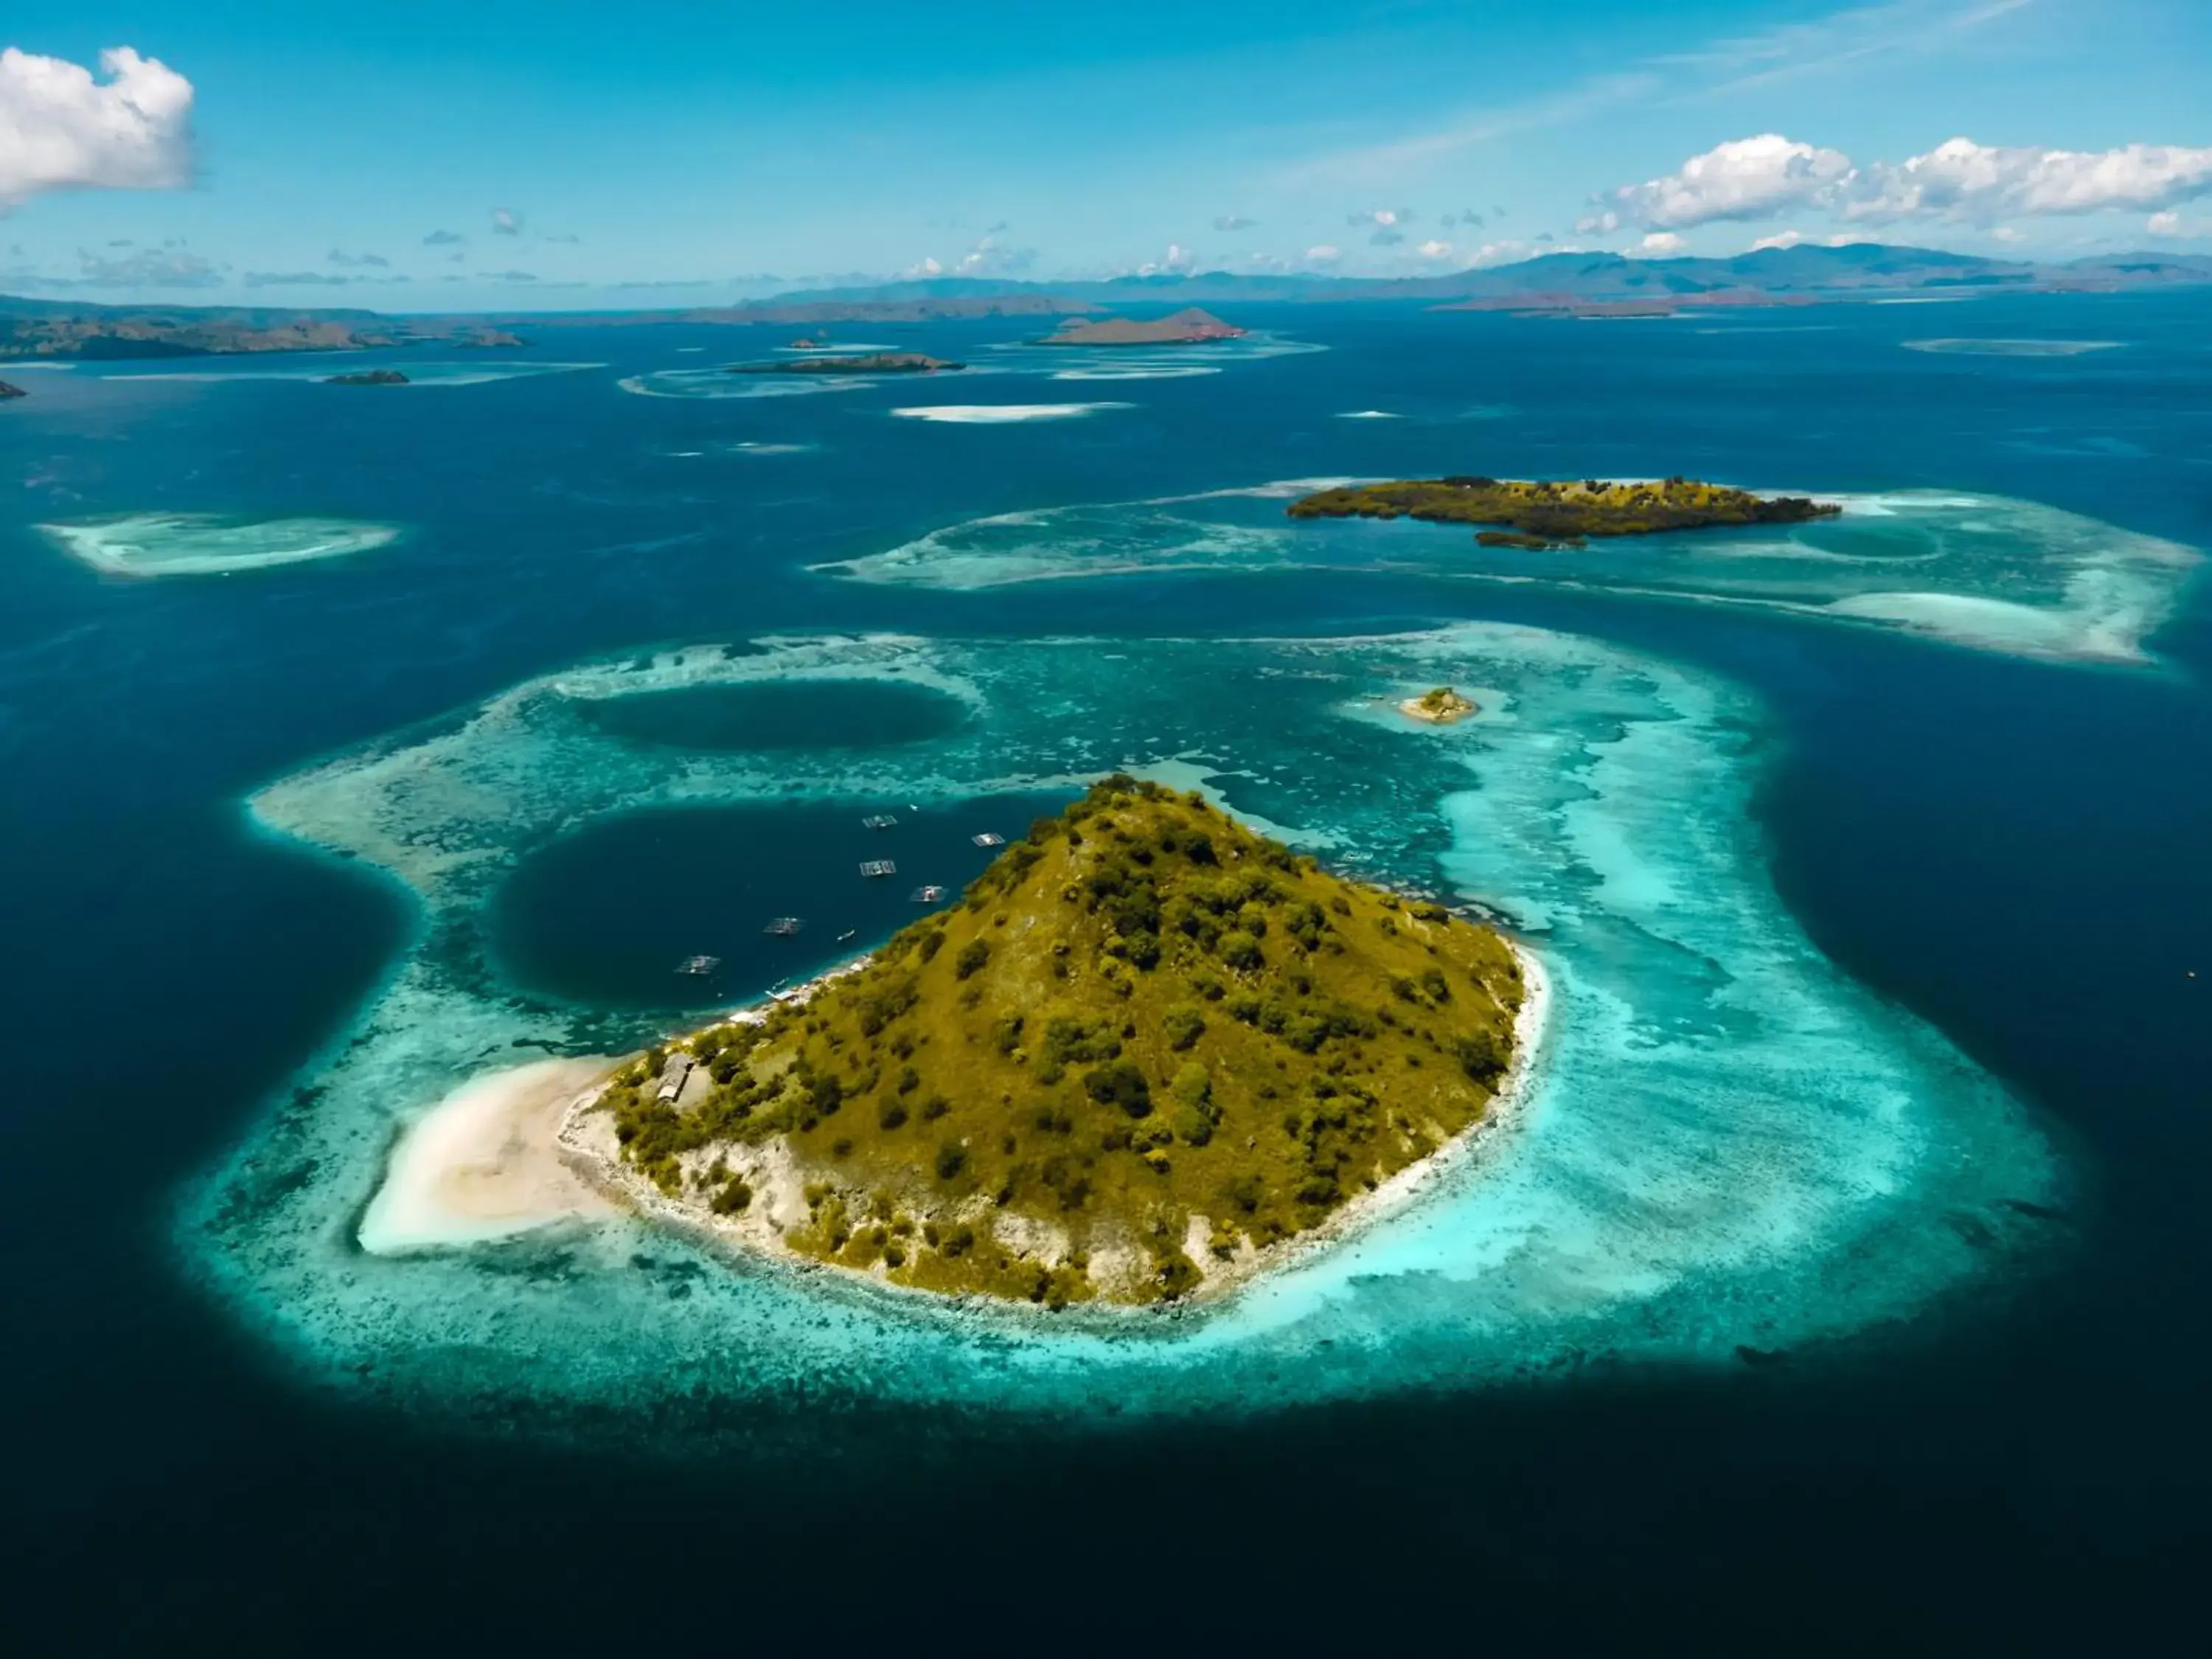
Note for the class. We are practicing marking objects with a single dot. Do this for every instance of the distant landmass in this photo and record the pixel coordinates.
(1557, 284)
(868, 362)
(55, 330)
(9, 391)
(1189, 326)
(369, 377)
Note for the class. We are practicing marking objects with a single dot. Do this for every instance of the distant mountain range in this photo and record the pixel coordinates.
(1598, 284)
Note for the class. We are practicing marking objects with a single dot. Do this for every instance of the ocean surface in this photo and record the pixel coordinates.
(1843, 1280)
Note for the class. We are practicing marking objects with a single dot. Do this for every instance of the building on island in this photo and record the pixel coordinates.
(673, 1076)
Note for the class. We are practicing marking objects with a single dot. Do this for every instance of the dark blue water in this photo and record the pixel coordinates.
(2015, 850)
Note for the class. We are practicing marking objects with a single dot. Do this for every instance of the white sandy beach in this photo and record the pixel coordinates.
(480, 1165)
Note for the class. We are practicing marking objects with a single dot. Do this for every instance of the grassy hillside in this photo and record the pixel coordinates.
(1546, 511)
(1148, 1044)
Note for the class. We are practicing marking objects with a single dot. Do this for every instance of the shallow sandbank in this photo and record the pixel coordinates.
(480, 1165)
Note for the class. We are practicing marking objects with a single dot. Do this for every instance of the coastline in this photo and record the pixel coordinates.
(584, 1142)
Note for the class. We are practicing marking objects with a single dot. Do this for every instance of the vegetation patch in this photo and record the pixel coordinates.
(1546, 514)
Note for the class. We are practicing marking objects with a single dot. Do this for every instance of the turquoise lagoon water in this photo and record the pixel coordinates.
(1842, 1255)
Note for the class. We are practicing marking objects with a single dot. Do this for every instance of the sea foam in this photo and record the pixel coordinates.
(1729, 1145)
(1002, 414)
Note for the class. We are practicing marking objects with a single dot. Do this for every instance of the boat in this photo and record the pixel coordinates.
(927, 896)
(880, 821)
(873, 868)
(785, 926)
(850, 933)
(698, 965)
(987, 839)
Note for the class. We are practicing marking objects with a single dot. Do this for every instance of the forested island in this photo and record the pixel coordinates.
(369, 377)
(871, 362)
(1149, 1049)
(1189, 326)
(1546, 514)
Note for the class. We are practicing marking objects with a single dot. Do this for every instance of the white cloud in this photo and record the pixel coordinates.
(986, 258)
(2006, 233)
(2167, 223)
(926, 266)
(151, 267)
(1381, 218)
(1744, 179)
(1958, 181)
(1961, 179)
(1178, 258)
(1323, 253)
(1434, 249)
(61, 130)
(506, 222)
(1780, 239)
(1661, 242)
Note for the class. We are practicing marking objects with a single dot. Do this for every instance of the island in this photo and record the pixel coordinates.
(368, 377)
(1544, 514)
(1190, 327)
(1150, 1053)
(1439, 706)
(10, 392)
(871, 362)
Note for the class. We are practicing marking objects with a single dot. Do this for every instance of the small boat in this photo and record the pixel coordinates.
(880, 821)
(785, 926)
(873, 868)
(927, 896)
(698, 965)
(850, 933)
(986, 839)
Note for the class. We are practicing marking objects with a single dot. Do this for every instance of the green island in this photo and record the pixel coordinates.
(368, 377)
(871, 362)
(9, 391)
(1440, 705)
(1148, 1046)
(1547, 514)
(1189, 326)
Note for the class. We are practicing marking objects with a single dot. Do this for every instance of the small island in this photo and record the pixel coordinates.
(872, 362)
(1544, 515)
(1438, 705)
(10, 392)
(368, 377)
(1190, 327)
(1149, 1052)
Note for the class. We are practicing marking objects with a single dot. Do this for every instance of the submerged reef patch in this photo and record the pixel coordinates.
(1990, 571)
(146, 544)
(1726, 1142)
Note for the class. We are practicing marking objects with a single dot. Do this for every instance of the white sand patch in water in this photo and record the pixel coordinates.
(1002, 414)
(480, 1165)
(149, 544)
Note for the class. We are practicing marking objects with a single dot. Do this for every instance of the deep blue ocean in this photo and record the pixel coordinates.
(2009, 846)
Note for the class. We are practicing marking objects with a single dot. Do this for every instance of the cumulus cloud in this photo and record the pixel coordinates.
(1744, 179)
(1323, 253)
(151, 267)
(60, 129)
(506, 222)
(443, 238)
(1228, 221)
(1383, 218)
(1177, 260)
(1661, 242)
(925, 266)
(1964, 181)
(988, 258)
(1780, 239)
(340, 256)
(1958, 181)
(1434, 248)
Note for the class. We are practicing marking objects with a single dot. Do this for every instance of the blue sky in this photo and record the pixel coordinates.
(486, 153)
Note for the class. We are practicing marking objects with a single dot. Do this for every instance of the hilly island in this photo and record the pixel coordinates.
(1149, 1051)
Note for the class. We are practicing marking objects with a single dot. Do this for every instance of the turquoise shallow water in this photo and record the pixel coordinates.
(1729, 1146)
(1848, 1258)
